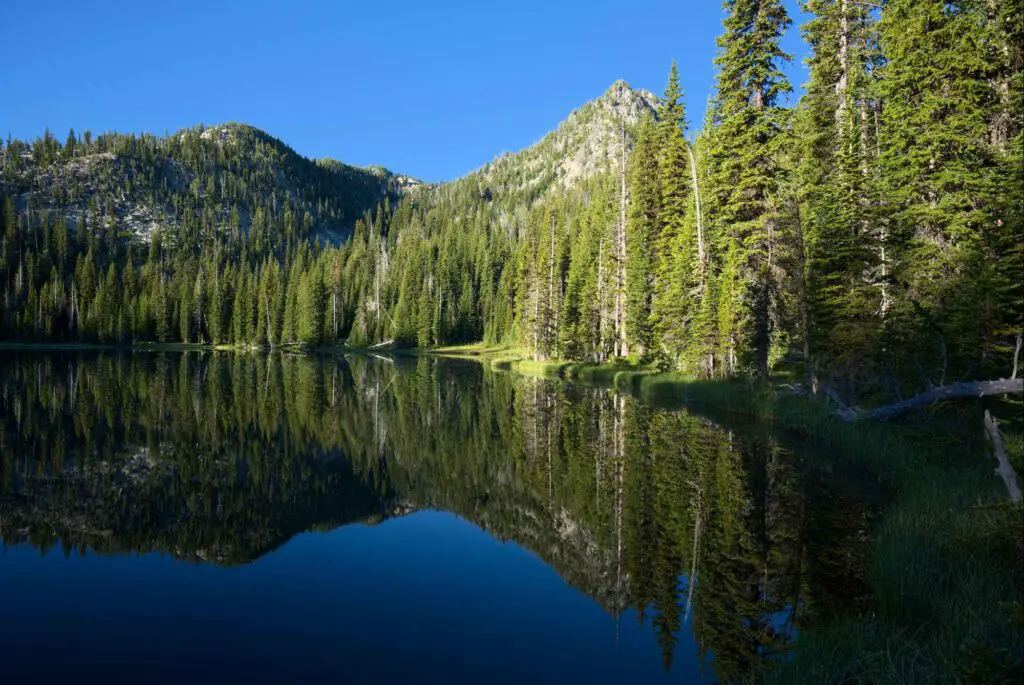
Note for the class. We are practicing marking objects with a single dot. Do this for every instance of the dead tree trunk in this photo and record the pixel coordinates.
(700, 221)
(601, 314)
(945, 392)
(1016, 353)
(844, 66)
(805, 306)
(622, 344)
(1005, 469)
(548, 327)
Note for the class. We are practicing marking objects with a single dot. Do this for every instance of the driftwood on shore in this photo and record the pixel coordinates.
(1005, 470)
(945, 392)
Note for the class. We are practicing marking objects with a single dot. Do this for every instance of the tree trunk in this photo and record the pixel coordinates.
(548, 327)
(700, 221)
(601, 313)
(946, 392)
(844, 66)
(1005, 469)
(805, 315)
(620, 310)
(266, 305)
(1016, 353)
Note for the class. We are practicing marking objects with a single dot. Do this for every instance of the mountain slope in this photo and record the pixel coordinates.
(217, 178)
(449, 266)
(589, 141)
(238, 212)
(214, 179)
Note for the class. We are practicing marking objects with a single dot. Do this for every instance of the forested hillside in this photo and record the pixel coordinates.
(869, 237)
(233, 181)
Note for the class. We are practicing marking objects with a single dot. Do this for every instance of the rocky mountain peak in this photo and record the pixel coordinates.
(630, 102)
(589, 141)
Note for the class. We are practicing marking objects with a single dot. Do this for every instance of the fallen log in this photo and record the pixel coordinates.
(945, 392)
(1005, 469)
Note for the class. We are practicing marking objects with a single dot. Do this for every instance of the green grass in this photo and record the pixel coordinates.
(948, 569)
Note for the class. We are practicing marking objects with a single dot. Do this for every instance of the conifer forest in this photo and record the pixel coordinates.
(870, 235)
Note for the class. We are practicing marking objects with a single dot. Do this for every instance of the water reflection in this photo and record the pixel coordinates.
(220, 459)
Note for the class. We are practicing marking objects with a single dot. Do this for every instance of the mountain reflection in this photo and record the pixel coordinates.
(221, 458)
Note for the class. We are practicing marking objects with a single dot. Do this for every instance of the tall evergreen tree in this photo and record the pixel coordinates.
(745, 147)
(642, 237)
(848, 293)
(676, 254)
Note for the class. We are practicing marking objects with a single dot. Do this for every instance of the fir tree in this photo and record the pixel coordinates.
(642, 236)
(836, 125)
(745, 145)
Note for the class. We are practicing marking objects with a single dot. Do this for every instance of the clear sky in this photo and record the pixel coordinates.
(432, 89)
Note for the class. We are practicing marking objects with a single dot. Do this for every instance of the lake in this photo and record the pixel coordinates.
(203, 517)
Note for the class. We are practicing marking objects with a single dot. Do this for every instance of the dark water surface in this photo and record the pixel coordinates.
(208, 517)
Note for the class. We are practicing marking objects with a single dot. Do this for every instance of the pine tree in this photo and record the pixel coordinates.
(161, 309)
(311, 307)
(238, 309)
(745, 145)
(836, 126)
(676, 263)
(218, 306)
(642, 236)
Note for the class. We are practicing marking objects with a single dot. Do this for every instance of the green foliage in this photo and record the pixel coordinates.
(748, 133)
(868, 239)
(944, 155)
(642, 233)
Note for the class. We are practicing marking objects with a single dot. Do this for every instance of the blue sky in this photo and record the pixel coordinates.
(432, 89)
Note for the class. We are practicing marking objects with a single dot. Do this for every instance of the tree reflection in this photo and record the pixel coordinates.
(220, 458)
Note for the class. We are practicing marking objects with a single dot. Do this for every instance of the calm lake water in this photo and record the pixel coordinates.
(208, 517)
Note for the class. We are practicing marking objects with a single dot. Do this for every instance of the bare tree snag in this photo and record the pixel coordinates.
(692, 580)
(1016, 353)
(270, 330)
(549, 333)
(805, 306)
(700, 222)
(1005, 469)
(844, 64)
(602, 313)
(946, 392)
(622, 344)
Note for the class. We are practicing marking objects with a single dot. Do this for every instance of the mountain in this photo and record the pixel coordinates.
(588, 142)
(217, 178)
(228, 211)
